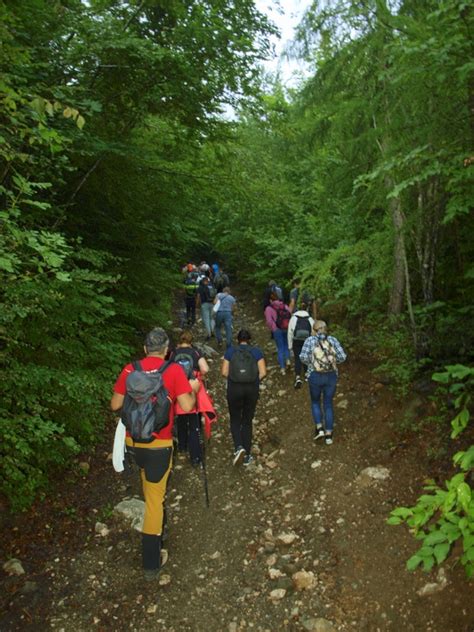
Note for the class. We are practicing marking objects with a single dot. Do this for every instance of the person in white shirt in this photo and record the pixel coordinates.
(299, 328)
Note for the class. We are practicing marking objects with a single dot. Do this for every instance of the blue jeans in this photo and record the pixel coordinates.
(224, 318)
(280, 336)
(206, 313)
(322, 384)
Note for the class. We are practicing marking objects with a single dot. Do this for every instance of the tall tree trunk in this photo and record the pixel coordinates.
(399, 274)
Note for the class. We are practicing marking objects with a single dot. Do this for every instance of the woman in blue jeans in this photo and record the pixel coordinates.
(321, 353)
(277, 318)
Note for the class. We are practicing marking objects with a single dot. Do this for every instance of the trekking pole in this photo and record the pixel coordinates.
(203, 463)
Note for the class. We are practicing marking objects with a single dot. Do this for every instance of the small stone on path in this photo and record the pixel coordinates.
(372, 474)
(286, 538)
(164, 580)
(434, 587)
(304, 580)
(318, 625)
(101, 529)
(277, 594)
(13, 567)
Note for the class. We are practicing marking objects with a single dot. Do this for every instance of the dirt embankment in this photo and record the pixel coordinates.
(297, 541)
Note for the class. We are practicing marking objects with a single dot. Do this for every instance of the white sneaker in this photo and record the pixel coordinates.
(318, 434)
(283, 371)
(328, 439)
(239, 456)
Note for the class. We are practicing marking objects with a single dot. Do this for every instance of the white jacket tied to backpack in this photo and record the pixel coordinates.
(301, 313)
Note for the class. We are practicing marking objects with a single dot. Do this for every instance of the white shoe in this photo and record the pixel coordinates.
(318, 434)
(239, 456)
(283, 371)
(328, 439)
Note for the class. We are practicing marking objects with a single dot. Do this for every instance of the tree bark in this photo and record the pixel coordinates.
(397, 291)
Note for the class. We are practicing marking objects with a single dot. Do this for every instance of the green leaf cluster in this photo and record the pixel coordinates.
(446, 515)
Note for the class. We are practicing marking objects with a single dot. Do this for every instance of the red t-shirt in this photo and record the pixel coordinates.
(175, 381)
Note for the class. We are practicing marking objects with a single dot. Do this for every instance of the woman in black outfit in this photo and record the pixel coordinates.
(189, 424)
(243, 366)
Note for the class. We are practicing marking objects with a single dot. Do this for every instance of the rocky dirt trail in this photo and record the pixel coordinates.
(297, 541)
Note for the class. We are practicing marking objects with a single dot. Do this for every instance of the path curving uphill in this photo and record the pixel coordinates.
(297, 541)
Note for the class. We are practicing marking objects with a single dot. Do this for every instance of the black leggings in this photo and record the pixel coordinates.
(189, 430)
(299, 366)
(242, 400)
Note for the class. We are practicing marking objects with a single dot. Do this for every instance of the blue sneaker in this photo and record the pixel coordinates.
(248, 460)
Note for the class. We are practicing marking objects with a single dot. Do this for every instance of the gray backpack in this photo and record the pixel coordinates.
(146, 406)
(302, 328)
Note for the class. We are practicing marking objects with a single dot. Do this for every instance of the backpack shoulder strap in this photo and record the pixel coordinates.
(164, 366)
(137, 365)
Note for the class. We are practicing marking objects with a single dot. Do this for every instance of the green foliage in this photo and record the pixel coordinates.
(460, 381)
(390, 342)
(446, 515)
(104, 111)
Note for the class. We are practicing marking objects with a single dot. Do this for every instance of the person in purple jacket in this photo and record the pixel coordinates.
(277, 317)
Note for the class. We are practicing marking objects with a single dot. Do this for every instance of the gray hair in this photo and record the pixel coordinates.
(156, 340)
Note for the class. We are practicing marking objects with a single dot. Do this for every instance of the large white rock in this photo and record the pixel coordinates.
(132, 509)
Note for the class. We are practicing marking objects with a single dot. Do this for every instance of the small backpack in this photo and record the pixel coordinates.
(212, 291)
(282, 316)
(184, 357)
(146, 406)
(324, 356)
(302, 328)
(243, 367)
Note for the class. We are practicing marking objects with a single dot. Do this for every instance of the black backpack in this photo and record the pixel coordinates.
(184, 357)
(243, 367)
(221, 280)
(146, 406)
(302, 328)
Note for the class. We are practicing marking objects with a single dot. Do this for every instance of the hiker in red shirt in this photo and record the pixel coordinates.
(154, 458)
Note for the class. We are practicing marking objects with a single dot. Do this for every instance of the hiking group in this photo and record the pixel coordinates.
(162, 399)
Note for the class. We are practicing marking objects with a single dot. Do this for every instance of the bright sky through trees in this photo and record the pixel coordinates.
(286, 14)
